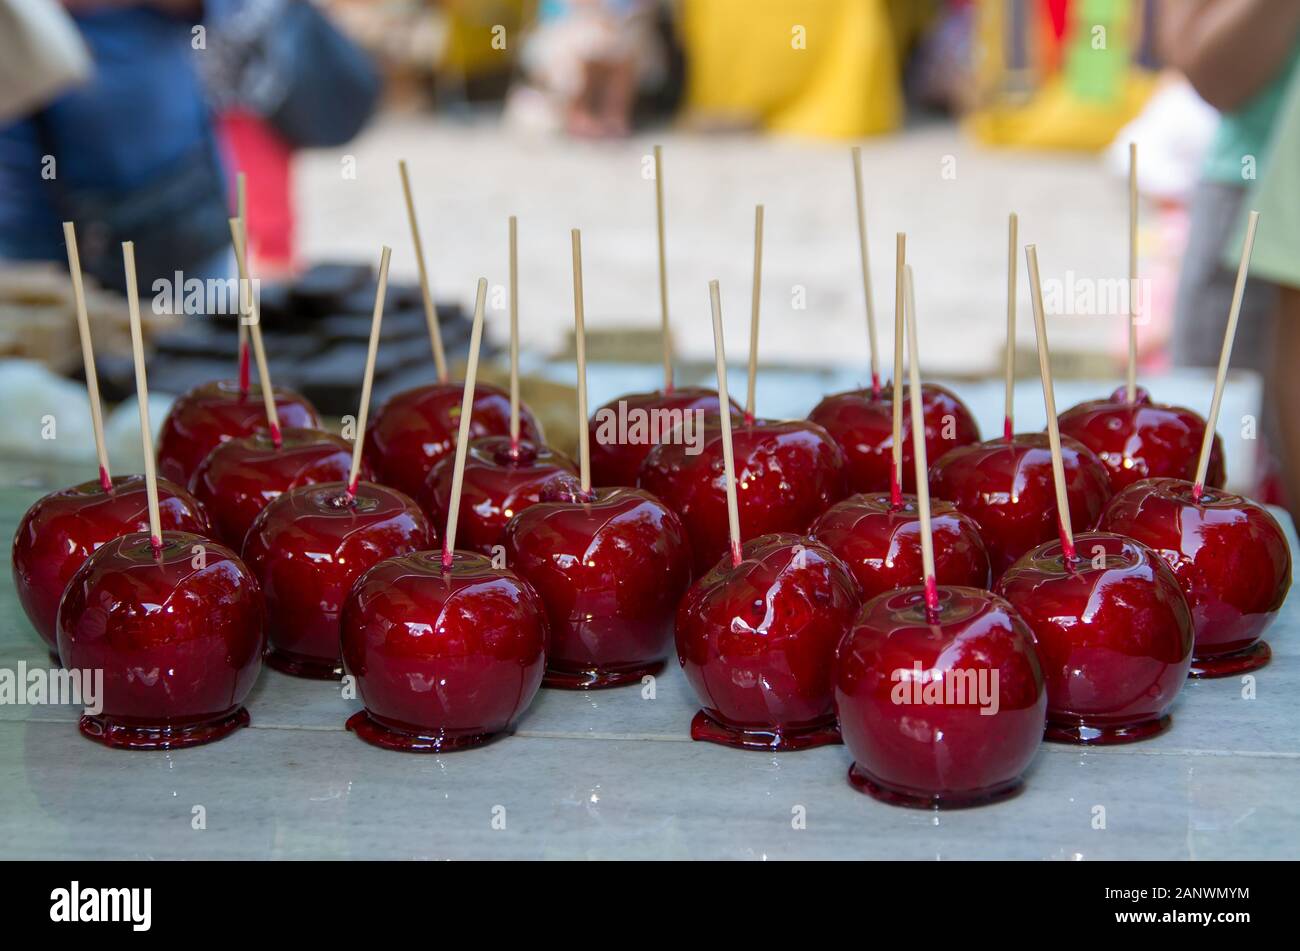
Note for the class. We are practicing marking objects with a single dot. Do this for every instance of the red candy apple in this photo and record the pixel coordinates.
(308, 547)
(610, 569)
(756, 640)
(500, 481)
(863, 426)
(214, 412)
(62, 529)
(787, 472)
(623, 431)
(881, 543)
(417, 427)
(1006, 487)
(177, 632)
(240, 477)
(1142, 439)
(1228, 554)
(444, 658)
(942, 708)
(1113, 632)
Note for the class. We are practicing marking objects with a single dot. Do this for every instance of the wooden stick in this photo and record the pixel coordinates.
(580, 346)
(755, 297)
(368, 376)
(462, 436)
(900, 294)
(664, 330)
(514, 333)
(1131, 385)
(87, 354)
(1225, 355)
(866, 271)
(919, 458)
(248, 306)
(142, 397)
(1008, 417)
(728, 455)
(430, 308)
(241, 212)
(1049, 401)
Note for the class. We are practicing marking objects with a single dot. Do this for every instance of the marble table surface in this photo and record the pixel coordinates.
(614, 774)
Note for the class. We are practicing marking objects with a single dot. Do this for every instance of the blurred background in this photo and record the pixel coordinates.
(133, 119)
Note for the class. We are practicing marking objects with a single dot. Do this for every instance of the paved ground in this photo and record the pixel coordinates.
(470, 177)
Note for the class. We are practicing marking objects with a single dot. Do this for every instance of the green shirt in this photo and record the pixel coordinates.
(1275, 194)
(1246, 131)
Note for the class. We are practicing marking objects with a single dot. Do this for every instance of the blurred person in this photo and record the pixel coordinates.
(585, 62)
(1241, 56)
(831, 72)
(281, 77)
(130, 155)
(241, 90)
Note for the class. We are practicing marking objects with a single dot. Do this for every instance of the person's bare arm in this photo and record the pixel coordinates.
(1228, 49)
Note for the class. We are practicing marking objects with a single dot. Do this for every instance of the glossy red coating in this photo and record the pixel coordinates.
(214, 412)
(240, 477)
(756, 641)
(863, 426)
(177, 633)
(943, 710)
(623, 431)
(881, 543)
(444, 659)
(62, 529)
(1142, 439)
(611, 572)
(787, 473)
(1113, 633)
(1229, 555)
(500, 481)
(308, 547)
(415, 428)
(1007, 488)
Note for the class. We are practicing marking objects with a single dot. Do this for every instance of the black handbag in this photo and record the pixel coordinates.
(330, 85)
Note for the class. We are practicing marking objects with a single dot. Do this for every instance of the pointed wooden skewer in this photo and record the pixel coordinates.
(462, 436)
(1225, 356)
(250, 309)
(1049, 402)
(580, 349)
(900, 281)
(919, 459)
(728, 455)
(1009, 367)
(755, 299)
(426, 295)
(241, 212)
(514, 334)
(664, 329)
(87, 355)
(866, 271)
(1130, 387)
(368, 376)
(142, 397)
